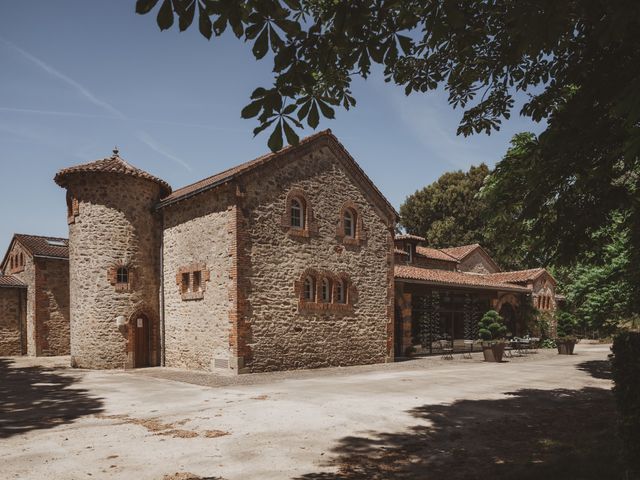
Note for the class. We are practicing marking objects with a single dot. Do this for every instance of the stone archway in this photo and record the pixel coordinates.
(508, 313)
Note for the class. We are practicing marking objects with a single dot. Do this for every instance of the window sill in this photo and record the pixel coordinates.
(192, 296)
(324, 307)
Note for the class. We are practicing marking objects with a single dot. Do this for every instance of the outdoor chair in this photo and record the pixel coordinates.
(468, 349)
(508, 349)
(447, 350)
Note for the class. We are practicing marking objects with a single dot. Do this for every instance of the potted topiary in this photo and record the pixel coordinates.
(491, 331)
(565, 340)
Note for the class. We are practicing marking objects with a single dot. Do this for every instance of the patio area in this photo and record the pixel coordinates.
(533, 416)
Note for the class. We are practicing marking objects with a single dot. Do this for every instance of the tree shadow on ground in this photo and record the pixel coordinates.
(597, 368)
(33, 398)
(531, 434)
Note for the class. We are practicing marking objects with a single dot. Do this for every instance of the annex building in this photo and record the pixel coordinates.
(288, 261)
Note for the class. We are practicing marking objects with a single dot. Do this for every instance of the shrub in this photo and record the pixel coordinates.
(566, 324)
(626, 372)
(491, 326)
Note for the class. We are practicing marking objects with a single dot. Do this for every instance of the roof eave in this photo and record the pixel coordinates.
(506, 288)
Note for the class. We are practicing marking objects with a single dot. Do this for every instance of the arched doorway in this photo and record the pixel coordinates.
(508, 313)
(141, 335)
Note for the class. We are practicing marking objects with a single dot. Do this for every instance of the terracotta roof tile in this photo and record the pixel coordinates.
(233, 172)
(113, 164)
(455, 279)
(399, 251)
(516, 276)
(408, 236)
(40, 246)
(435, 254)
(460, 252)
(9, 281)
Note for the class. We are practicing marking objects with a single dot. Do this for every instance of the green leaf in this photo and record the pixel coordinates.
(252, 109)
(292, 137)
(205, 25)
(258, 92)
(260, 128)
(314, 116)
(275, 140)
(165, 15)
(261, 45)
(145, 6)
(289, 109)
(406, 43)
(185, 16)
(327, 111)
(304, 110)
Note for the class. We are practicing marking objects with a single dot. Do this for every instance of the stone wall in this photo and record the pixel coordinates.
(279, 335)
(477, 262)
(11, 311)
(52, 306)
(27, 275)
(198, 230)
(116, 225)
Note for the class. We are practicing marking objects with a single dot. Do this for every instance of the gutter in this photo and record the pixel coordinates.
(469, 287)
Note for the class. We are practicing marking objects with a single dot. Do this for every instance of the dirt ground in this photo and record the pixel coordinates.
(540, 416)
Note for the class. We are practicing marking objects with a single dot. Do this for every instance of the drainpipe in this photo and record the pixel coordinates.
(162, 331)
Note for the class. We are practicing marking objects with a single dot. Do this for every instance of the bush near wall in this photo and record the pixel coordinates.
(626, 375)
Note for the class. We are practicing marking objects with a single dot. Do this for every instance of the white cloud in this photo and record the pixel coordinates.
(153, 144)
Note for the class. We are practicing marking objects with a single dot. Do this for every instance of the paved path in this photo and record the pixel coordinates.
(59, 423)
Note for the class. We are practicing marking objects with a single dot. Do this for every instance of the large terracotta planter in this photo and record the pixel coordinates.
(565, 347)
(493, 353)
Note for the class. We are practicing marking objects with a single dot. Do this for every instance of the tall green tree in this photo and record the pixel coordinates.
(598, 287)
(448, 212)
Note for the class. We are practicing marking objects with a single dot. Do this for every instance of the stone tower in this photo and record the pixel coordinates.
(114, 263)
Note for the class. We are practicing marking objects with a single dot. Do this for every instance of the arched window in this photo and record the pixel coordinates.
(297, 213)
(21, 259)
(341, 292)
(326, 290)
(349, 222)
(11, 265)
(122, 275)
(309, 291)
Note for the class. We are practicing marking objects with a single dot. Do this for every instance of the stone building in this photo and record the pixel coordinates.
(287, 261)
(34, 297)
(442, 293)
(283, 262)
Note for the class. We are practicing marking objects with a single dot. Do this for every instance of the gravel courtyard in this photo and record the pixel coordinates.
(540, 415)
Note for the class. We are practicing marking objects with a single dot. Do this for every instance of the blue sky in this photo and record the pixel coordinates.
(78, 77)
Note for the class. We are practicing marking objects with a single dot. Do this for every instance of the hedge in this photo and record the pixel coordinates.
(626, 375)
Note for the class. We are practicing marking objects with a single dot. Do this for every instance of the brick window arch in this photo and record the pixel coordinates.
(298, 219)
(325, 291)
(121, 276)
(350, 228)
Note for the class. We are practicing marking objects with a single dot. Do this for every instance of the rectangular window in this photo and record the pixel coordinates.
(184, 286)
(197, 281)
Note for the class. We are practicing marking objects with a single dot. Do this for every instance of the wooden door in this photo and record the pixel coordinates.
(142, 331)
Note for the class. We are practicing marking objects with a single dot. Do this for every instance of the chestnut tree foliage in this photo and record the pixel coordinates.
(483, 52)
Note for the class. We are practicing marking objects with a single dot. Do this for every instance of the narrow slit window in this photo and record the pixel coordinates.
(197, 281)
(349, 224)
(326, 290)
(184, 284)
(297, 213)
(409, 250)
(309, 291)
(341, 296)
(122, 275)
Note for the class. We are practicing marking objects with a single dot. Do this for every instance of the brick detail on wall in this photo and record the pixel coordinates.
(360, 237)
(240, 326)
(318, 304)
(73, 208)
(191, 293)
(310, 224)
(112, 276)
